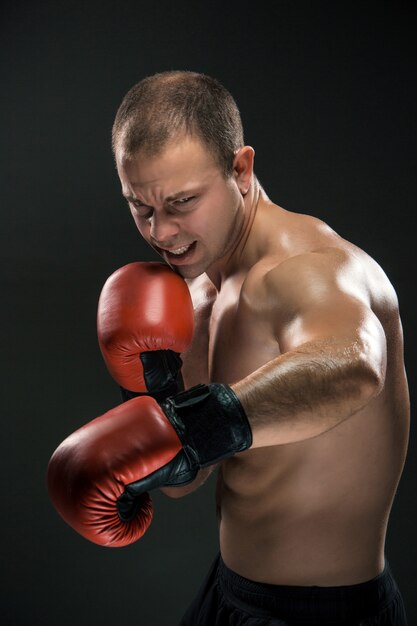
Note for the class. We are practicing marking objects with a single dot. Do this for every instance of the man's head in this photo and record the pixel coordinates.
(167, 104)
(178, 146)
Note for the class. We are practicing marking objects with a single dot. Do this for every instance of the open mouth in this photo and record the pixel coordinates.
(180, 251)
(183, 253)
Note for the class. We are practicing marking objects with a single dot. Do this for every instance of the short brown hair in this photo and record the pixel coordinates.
(169, 103)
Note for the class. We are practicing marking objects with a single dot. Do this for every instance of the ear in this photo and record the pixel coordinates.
(243, 168)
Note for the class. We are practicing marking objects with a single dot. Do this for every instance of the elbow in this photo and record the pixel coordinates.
(371, 379)
(372, 385)
(370, 361)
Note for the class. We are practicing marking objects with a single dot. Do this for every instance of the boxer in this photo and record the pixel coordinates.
(294, 377)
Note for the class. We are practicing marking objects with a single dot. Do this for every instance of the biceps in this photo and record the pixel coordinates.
(346, 327)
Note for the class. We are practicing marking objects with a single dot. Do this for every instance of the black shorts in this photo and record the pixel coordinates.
(227, 599)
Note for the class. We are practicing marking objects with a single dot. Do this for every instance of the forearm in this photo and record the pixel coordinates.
(307, 391)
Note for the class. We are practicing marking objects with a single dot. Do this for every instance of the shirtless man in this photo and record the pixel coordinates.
(304, 328)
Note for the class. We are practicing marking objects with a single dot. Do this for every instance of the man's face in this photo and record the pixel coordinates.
(182, 204)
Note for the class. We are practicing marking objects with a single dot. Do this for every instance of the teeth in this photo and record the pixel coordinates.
(180, 250)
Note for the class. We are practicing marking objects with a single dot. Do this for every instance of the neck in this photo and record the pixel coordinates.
(233, 259)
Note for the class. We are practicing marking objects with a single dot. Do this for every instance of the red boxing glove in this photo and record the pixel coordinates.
(145, 319)
(98, 478)
(88, 472)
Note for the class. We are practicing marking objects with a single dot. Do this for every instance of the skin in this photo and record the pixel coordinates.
(305, 327)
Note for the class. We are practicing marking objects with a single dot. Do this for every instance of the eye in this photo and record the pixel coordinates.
(182, 201)
(142, 210)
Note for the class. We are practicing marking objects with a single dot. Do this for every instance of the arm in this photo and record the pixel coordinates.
(333, 364)
(333, 350)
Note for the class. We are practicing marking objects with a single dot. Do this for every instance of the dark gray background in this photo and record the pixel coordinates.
(327, 93)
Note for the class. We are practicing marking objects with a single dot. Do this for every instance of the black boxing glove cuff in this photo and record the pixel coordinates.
(162, 375)
(210, 422)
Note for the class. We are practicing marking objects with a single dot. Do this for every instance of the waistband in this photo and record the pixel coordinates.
(308, 605)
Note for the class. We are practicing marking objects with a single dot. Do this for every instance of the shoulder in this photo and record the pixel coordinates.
(317, 271)
(316, 276)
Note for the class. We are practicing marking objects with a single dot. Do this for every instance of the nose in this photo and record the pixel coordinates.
(163, 229)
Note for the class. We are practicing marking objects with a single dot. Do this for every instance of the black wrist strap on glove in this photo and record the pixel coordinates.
(210, 422)
(212, 426)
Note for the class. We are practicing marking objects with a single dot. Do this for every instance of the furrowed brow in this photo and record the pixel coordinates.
(130, 198)
(179, 194)
(170, 198)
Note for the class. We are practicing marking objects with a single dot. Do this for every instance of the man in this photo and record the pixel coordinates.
(304, 328)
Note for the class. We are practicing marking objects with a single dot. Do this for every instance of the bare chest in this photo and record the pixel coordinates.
(230, 341)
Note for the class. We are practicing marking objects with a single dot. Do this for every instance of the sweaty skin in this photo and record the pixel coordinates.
(305, 327)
